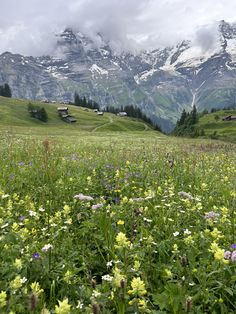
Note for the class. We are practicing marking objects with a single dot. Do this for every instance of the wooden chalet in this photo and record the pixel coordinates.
(229, 118)
(64, 114)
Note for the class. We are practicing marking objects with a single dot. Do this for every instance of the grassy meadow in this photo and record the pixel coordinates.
(94, 220)
(213, 125)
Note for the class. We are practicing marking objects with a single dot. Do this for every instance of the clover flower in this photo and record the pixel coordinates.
(233, 256)
(186, 195)
(96, 206)
(227, 255)
(138, 287)
(83, 197)
(212, 216)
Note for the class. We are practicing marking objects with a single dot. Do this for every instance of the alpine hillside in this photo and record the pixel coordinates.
(161, 82)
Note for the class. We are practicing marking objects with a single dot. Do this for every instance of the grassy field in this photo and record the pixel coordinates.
(212, 122)
(98, 221)
(14, 116)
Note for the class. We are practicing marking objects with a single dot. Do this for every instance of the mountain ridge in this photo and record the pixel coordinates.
(161, 82)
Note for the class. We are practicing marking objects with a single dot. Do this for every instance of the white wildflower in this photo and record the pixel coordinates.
(83, 197)
(107, 278)
(23, 280)
(32, 213)
(175, 234)
(47, 247)
(110, 263)
(187, 232)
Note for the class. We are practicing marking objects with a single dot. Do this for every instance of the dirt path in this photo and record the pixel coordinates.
(101, 126)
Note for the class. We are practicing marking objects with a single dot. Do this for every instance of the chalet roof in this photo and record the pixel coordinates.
(70, 119)
(62, 108)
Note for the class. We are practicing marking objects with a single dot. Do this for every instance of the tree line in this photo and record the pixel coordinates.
(37, 112)
(131, 111)
(186, 125)
(83, 102)
(134, 112)
(5, 90)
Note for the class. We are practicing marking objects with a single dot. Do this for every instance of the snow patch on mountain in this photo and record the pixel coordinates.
(144, 76)
(96, 70)
(231, 48)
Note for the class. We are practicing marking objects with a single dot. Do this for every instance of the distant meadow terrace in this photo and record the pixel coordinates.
(116, 222)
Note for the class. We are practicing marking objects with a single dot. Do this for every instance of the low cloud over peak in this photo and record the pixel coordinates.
(29, 26)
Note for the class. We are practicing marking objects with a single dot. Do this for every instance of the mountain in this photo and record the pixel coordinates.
(161, 82)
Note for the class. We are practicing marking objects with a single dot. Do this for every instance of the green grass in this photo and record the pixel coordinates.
(152, 237)
(226, 130)
(143, 244)
(15, 118)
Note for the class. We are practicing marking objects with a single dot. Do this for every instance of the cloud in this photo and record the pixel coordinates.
(29, 26)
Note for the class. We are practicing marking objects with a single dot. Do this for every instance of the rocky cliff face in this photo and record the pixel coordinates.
(161, 82)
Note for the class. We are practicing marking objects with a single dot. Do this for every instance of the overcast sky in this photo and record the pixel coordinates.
(29, 26)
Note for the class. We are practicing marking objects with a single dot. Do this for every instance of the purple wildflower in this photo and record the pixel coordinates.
(227, 255)
(21, 163)
(186, 195)
(233, 246)
(22, 218)
(36, 255)
(233, 256)
(96, 206)
(212, 216)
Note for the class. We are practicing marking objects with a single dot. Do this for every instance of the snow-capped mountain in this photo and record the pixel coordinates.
(161, 82)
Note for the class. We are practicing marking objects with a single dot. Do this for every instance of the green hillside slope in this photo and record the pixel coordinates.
(214, 126)
(14, 116)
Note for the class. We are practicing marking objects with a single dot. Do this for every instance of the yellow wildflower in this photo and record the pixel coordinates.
(122, 240)
(45, 311)
(67, 209)
(138, 287)
(118, 277)
(18, 263)
(189, 240)
(16, 283)
(120, 222)
(168, 273)
(219, 254)
(142, 304)
(3, 299)
(36, 288)
(137, 265)
(68, 276)
(63, 308)
(216, 234)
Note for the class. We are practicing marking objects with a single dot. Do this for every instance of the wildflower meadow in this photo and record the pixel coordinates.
(114, 225)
